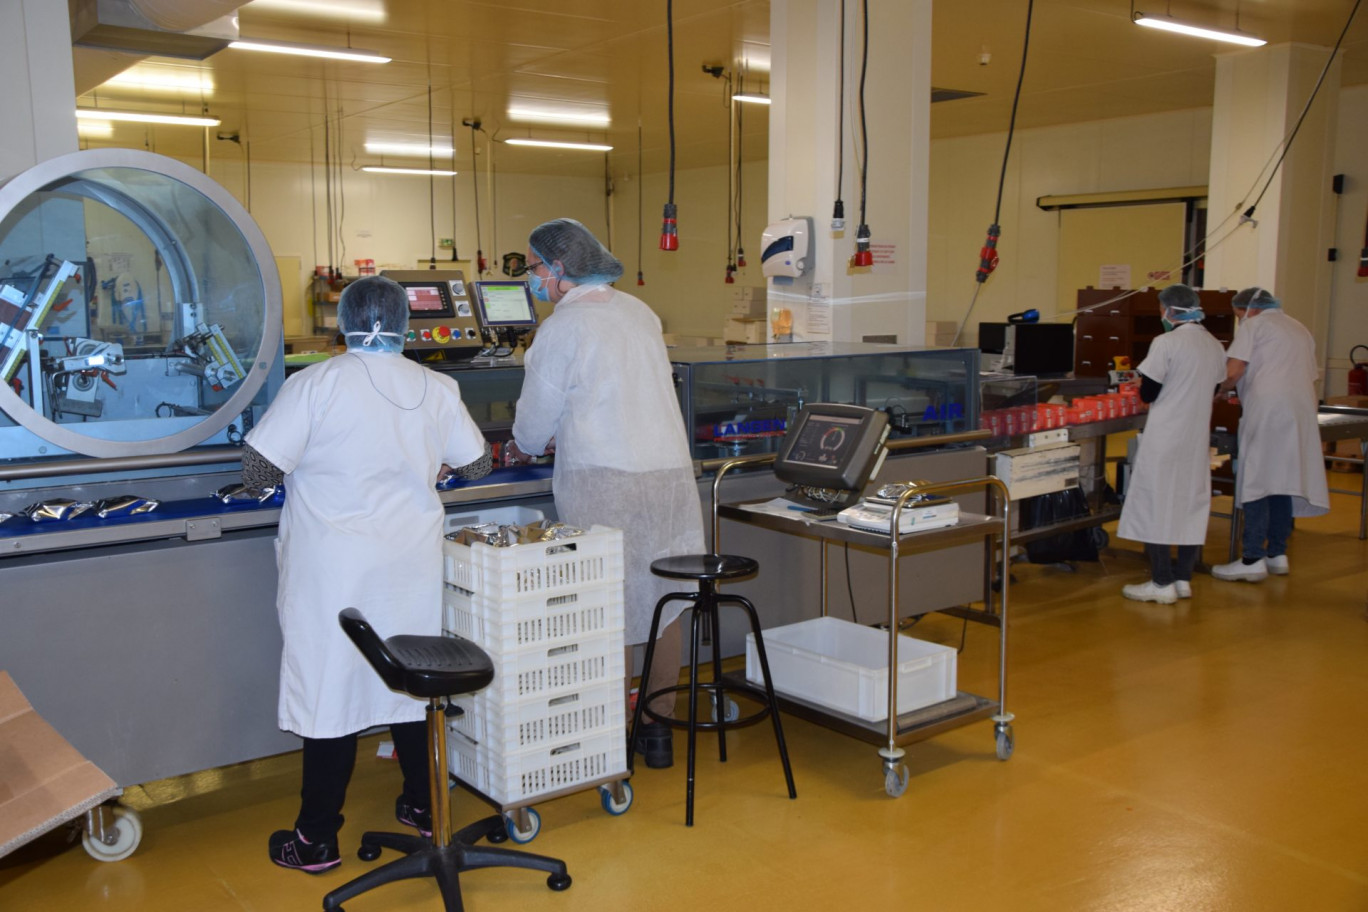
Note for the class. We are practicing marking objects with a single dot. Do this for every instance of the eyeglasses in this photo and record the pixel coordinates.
(532, 266)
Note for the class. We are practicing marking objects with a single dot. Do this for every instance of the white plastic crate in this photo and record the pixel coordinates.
(504, 626)
(545, 671)
(504, 516)
(527, 774)
(540, 720)
(844, 666)
(545, 568)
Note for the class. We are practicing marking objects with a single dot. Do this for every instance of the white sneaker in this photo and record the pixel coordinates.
(1184, 588)
(1277, 565)
(1238, 570)
(1148, 592)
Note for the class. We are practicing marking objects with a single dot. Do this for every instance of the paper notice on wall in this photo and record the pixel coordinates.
(885, 258)
(1114, 275)
(818, 314)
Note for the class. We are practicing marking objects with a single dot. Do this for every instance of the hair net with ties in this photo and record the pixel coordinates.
(1182, 303)
(1255, 299)
(373, 314)
(584, 259)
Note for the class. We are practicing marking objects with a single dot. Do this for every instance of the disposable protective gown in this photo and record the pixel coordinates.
(598, 381)
(361, 438)
(1280, 448)
(1169, 498)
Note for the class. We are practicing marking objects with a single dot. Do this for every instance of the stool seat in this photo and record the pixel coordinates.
(704, 567)
(421, 666)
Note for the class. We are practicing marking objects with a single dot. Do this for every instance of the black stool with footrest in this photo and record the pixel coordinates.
(434, 667)
(707, 570)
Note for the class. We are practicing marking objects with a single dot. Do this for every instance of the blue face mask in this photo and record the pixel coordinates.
(537, 284)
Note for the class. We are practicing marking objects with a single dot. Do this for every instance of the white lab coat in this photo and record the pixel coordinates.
(1169, 498)
(598, 380)
(361, 438)
(1280, 446)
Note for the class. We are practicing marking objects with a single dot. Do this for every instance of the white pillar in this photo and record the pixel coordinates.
(38, 103)
(1259, 95)
(889, 299)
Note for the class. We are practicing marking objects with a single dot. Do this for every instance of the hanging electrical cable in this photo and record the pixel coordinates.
(863, 255)
(432, 184)
(739, 259)
(731, 176)
(669, 229)
(341, 195)
(838, 210)
(474, 124)
(641, 211)
(454, 246)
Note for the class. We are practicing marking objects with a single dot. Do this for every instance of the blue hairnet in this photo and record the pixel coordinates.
(586, 261)
(1182, 303)
(372, 300)
(1255, 299)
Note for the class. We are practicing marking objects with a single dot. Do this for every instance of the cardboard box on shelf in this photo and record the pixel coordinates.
(44, 781)
(750, 331)
(748, 301)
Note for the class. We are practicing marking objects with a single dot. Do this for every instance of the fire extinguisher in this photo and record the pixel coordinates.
(1358, 374)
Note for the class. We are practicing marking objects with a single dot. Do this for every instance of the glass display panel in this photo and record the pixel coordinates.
(427, 300)
(505, 304)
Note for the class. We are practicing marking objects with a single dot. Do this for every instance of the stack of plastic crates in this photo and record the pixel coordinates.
(550, 615)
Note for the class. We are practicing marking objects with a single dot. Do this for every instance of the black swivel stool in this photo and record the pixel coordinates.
(707, 570)
(432, 668)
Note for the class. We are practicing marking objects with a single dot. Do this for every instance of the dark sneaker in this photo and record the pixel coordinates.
(409, 815)
(290, 849)
(655, 742)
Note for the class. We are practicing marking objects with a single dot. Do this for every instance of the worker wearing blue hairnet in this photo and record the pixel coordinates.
(1168, 501)
(1280, 470)
(599, 391)
(359, 441)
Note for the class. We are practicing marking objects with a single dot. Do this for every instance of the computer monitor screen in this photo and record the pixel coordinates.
(832, 446)
(428, 299)
(505, 305)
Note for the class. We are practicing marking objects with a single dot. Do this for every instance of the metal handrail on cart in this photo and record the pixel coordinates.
(896, 773)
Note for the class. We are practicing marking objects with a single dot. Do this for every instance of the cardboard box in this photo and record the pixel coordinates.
(1030, 471)
(748, 301)
(748, 331)
(44, 781)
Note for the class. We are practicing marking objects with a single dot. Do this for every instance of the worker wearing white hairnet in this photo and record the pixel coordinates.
(1168, 500)
(1280, 471)
(599, 391)
(359, 441)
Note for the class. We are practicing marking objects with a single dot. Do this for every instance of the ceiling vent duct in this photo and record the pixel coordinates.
(161, 28)
(938, 95)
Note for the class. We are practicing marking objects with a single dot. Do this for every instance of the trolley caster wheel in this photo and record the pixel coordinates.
(733, 710)
(121, 837)
(1006, 741)
(558, 882)
(523, 837)
(368, 852)
(616, 808)
(896, 779)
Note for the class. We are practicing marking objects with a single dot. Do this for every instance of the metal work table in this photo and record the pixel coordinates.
(964, 708)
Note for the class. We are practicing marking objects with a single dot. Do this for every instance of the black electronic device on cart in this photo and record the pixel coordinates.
(829, 453)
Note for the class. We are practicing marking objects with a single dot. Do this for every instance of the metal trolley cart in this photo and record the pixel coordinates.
(906, 728)
(550, 615)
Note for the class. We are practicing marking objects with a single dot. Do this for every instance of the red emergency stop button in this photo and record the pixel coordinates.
(425, 335)
(442, 334)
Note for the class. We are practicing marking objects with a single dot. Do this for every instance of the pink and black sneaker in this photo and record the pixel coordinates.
(408, 815)
(290, 849)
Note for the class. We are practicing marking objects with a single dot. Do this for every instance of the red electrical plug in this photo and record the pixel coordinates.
(669, 230)
(641, 279)
(1363, 263)
(863, 255)
(740, 258)
(730, 269)
(988, 258)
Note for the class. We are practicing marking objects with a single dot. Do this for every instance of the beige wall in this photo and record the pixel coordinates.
(1348, 318)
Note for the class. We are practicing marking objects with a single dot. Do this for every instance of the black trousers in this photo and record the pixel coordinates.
(1165, 571)
(328, 765)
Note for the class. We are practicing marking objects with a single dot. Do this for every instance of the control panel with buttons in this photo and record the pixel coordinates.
(443, 327)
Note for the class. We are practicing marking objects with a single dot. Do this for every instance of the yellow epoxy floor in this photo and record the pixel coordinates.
(1203, 756)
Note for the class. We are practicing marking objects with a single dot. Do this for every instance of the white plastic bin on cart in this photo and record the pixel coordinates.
(843, 666)
(505, 516)
(555, 767)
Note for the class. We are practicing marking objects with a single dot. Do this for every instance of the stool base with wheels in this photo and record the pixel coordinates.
(434, 667)
(707, 570)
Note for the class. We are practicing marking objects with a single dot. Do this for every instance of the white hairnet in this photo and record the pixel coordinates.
(1182, 303)
(585, 260)
(1255, 299)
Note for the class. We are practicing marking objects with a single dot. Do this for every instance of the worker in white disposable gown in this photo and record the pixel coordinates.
(599, 391)
(360, 441)
(1280, 471)
(1169, 497)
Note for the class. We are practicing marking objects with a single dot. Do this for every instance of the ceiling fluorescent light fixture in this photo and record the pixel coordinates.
(553, 144)
(575, 118)
(307, 50)
(95, 129)
(751, 98)
(1166, 24)
(361, 10)
(146, 117)
(175, 80)
(381, 169)
(409, 148)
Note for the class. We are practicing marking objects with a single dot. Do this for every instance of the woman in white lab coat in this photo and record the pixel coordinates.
(359, 440)
(1169, 497)
(599, 392)
(1280, 472)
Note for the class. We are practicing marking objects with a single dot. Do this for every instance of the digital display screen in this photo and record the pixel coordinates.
(505, 304)
(825, 440)
(425, 299)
